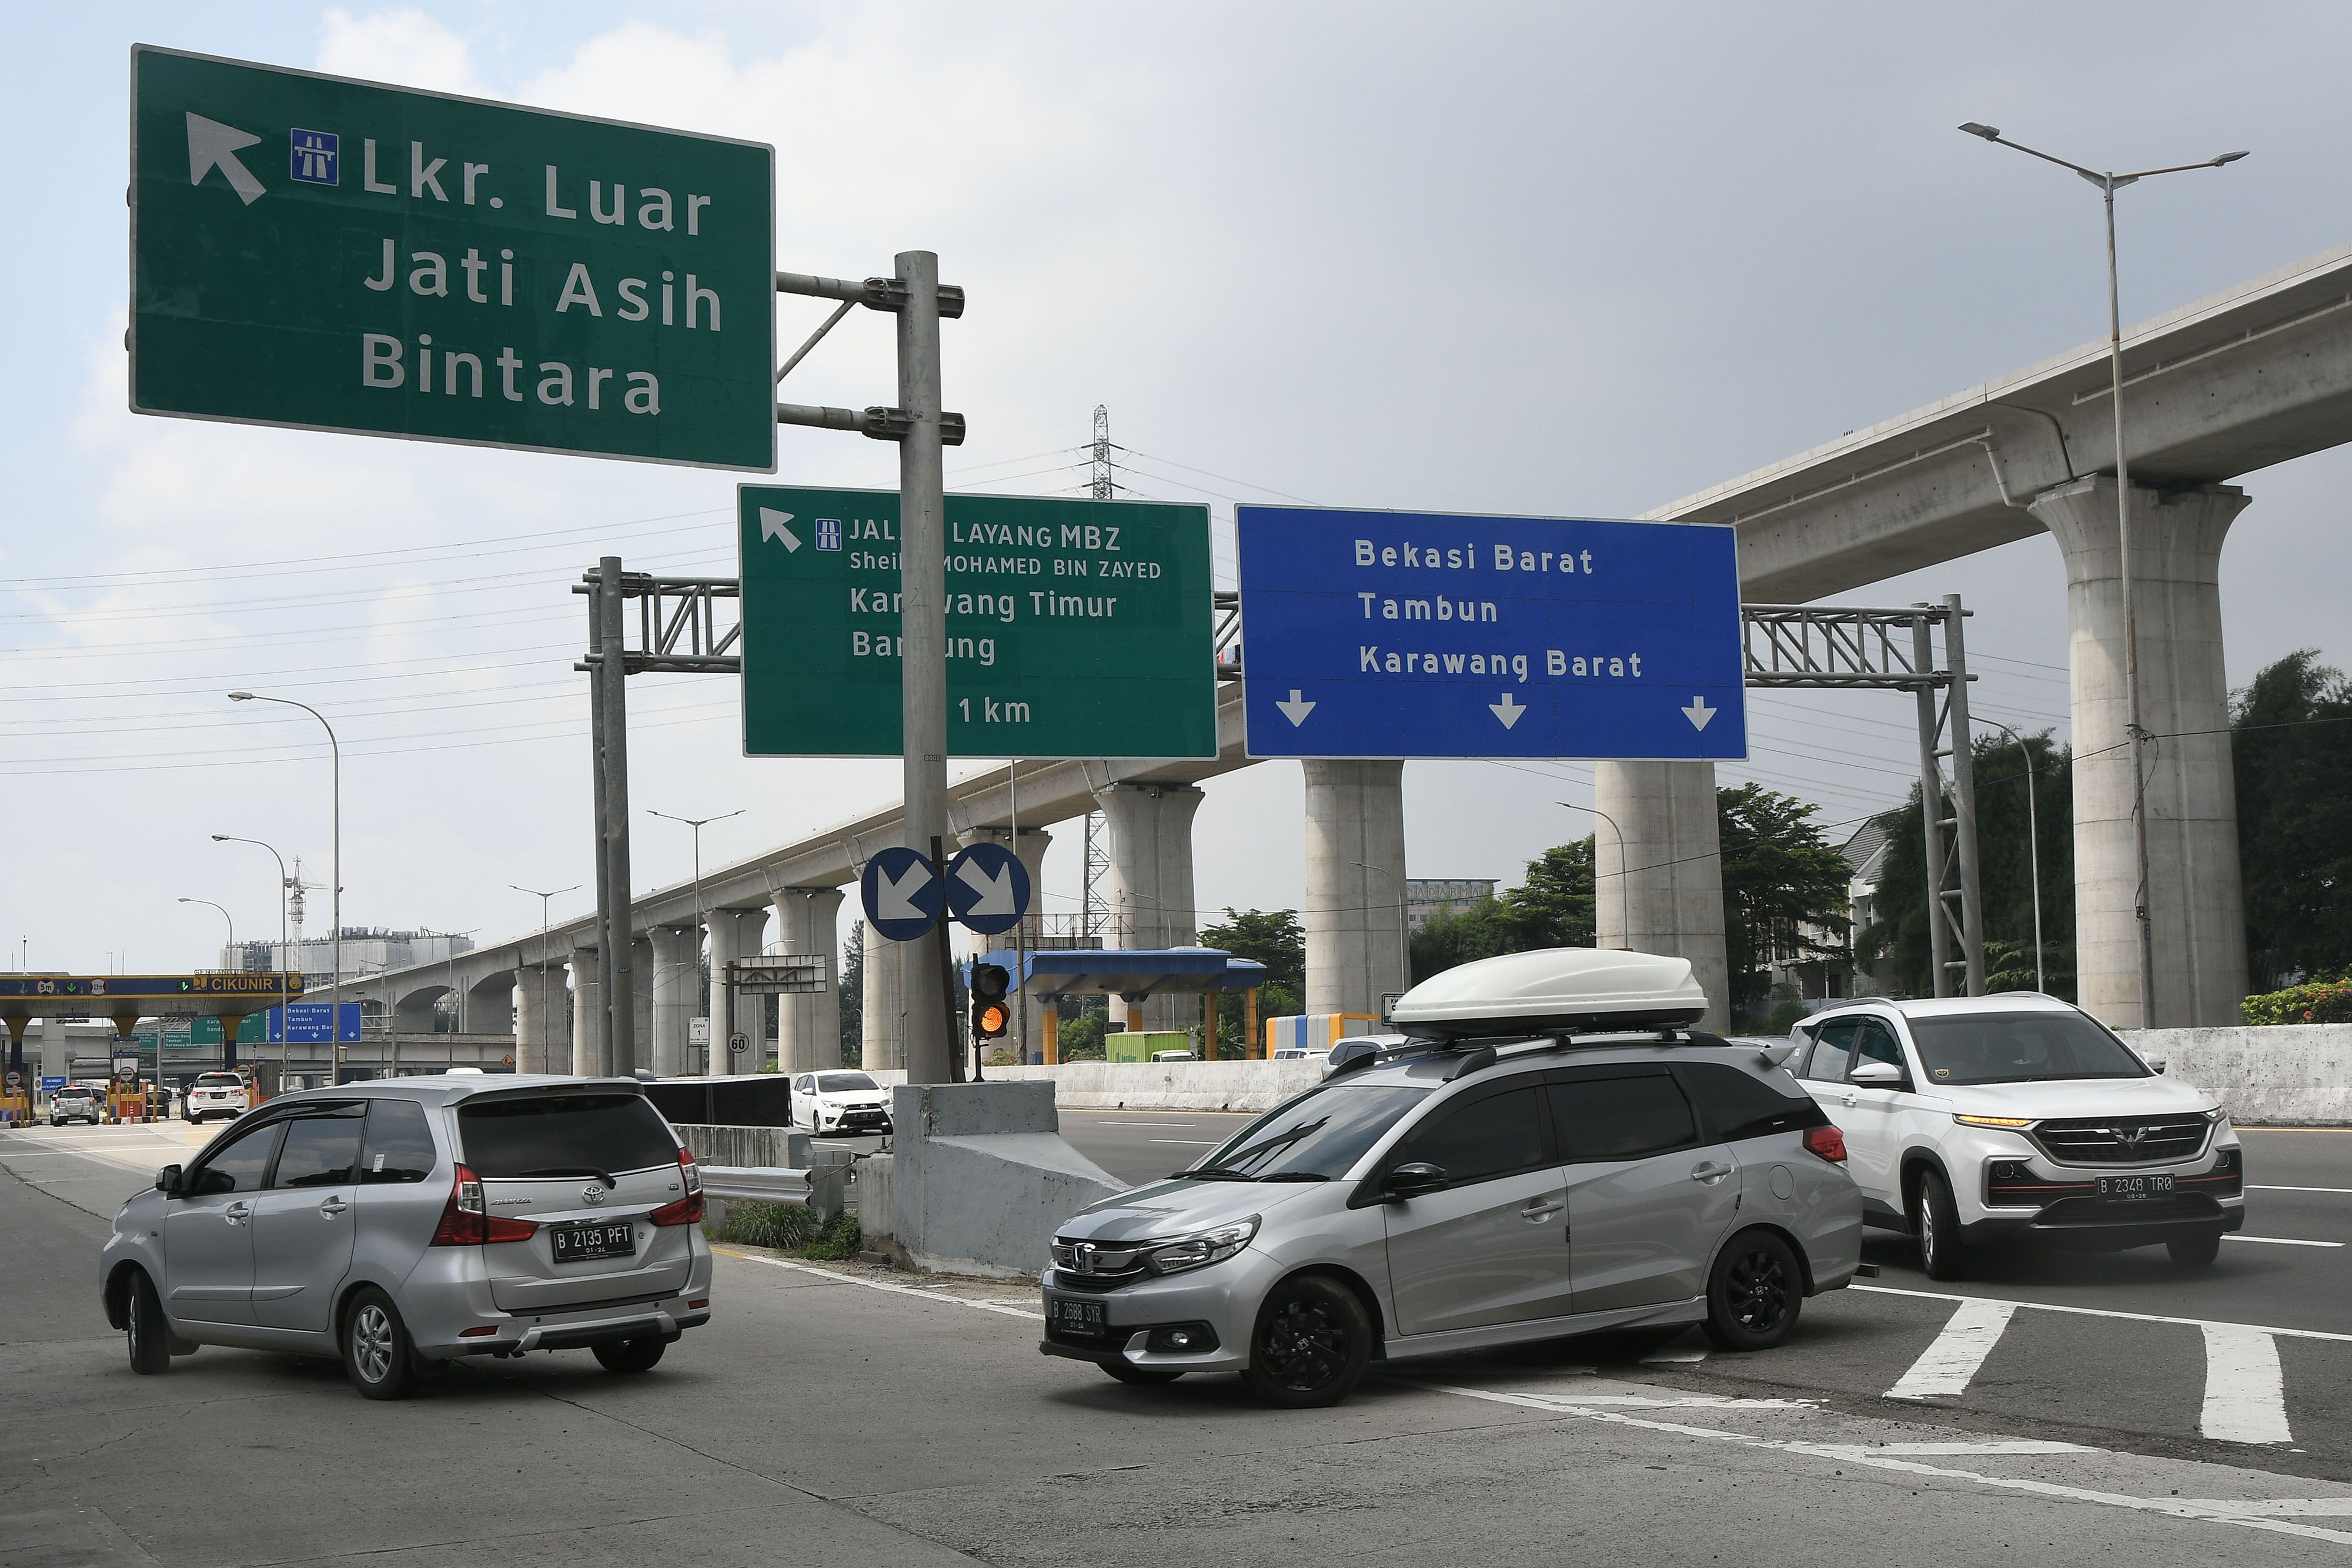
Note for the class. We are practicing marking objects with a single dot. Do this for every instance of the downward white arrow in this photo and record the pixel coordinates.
(1699, 713)
(1508, 710)
(896, 897)
(771, 527)
(1297, 709)
(995, 890)
(212, 145)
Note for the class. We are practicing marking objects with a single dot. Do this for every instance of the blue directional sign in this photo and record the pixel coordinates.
(1378, 634)
(314, 1023)
(52, 1082)
(901, 893)
(988, 889)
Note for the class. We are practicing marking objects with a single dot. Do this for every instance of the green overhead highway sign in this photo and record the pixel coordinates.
(334, 254)
(1075, 628)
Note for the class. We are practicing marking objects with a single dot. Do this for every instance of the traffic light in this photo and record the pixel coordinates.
(990, 1012)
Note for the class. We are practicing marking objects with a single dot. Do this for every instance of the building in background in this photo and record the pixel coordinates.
(1426, 896)
(367, 950)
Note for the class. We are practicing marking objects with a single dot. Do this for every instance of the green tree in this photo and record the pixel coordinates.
(2291, 751)
(1783, 885)
(1551, 907)
(1274, 937)
(1896, 946)
(852, 996)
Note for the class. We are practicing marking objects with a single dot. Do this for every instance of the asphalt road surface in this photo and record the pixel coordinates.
(854, 1418)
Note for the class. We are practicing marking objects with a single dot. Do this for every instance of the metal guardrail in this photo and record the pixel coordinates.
(761, 1184)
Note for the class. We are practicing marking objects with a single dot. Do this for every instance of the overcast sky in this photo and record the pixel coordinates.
(1558, 260)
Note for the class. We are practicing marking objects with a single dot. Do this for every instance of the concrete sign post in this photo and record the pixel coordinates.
(1401, 634)
(1072, 628)
(332, 254)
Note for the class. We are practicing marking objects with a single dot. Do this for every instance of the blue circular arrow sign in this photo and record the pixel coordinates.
(988, 888)
(901, 895)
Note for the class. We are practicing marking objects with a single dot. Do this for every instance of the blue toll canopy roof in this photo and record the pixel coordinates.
(1132, 973)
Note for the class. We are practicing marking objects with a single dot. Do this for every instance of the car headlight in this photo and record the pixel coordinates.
(1198, 1251)
(2011, 1123)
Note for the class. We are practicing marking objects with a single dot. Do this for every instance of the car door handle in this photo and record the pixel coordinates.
(1850, 1097)
(1709, 1171)
(1541, 1209)
(332, 1206)
(235, 1213)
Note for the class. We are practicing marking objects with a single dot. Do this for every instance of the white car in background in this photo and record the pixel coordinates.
(844, 1101)
(216, 1094)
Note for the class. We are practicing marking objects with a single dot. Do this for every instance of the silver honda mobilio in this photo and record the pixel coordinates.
(399, 1223)
(1554, 1153)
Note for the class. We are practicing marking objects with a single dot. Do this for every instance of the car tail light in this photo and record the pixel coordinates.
(685, 1167)
(686, 1210)
(466, 1222)
(1828, 1142)
(484, 1332)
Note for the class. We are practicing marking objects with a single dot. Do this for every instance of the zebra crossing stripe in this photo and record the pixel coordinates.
(1948, 1365)
(2245, 1393)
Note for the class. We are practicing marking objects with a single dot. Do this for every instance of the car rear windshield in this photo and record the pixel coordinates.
(843, 1083)
(2019, 1048)
(1320, 1135)
(564, 1135)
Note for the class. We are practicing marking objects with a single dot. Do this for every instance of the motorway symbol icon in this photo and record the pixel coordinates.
(771, 527)
(828, 533)
(901, 894)
(313, 157)
(988, 888)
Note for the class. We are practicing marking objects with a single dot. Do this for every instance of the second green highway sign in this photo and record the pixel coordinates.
(1075, 628)
(334, 254)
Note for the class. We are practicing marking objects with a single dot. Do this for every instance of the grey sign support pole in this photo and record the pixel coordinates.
(620, 996)
(1931, 815)
(922, 576)
(1964, 796)
(603, 1064)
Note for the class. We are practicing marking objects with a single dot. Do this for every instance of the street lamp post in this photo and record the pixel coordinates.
(544, 1017)
(225, 915)
(228, 1047)
(1625, 875)
(1404, 922)
(2109, 182)
(335, 893)
(697, 824)
(2033, 846)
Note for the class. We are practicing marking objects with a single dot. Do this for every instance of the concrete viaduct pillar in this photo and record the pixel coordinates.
(882, 1024)
(1030, 844)
(736, 933)
(2196, 895)
(1661, 891)
(808, 1028)
(588, 1057)
(542, 1040)
(1150, 889)
(677, 952)
(1354, 886)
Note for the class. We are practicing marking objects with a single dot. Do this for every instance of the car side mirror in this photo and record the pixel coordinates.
(168, 1181)
(2156, 1064)
(1884, 1074)
(1413, 1180)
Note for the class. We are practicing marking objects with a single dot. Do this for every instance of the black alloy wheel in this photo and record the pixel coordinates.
(1755, 1293)
(150, 1338)
(1935, 1221)
(1312, 1339)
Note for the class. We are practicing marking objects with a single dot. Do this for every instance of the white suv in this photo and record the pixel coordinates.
(213, 1094)
(2018, 1118)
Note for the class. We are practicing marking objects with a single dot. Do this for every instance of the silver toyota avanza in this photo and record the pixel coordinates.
(1552, 1152)
(399, 1223)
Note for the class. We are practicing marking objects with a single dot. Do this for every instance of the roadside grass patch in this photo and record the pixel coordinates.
(792, 1230)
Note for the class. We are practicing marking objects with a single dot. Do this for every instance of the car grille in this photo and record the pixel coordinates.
(2123, 1140)
(1097, 1265)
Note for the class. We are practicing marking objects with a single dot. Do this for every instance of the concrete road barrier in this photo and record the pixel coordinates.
(1160, 1085)
(2281, 1075)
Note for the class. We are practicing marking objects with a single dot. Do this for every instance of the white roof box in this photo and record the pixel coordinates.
(1555, 988)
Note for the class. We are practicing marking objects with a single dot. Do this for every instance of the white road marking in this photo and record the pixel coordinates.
(1571, 1403)
(1008, 1309)
(1948, 1365)
(2280, 1241)
(1934, 1450)
(2260, 1187)
(1880, 1458)
(2307, 1507)
(2105, 1313)
(2245, 1395)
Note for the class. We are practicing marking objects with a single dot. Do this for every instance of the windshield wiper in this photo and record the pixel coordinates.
(1295, 1176)
(604, 1177)
(1214, 1173)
